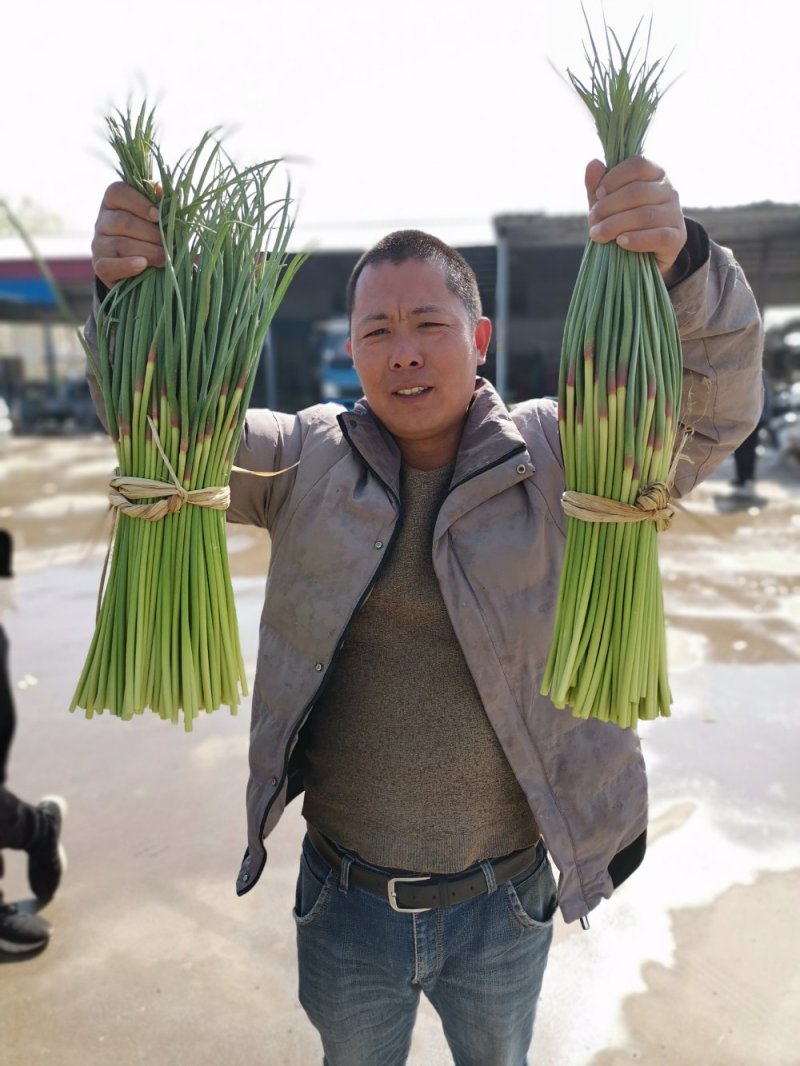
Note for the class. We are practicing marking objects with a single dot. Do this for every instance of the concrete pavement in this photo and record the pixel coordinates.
(695, 962)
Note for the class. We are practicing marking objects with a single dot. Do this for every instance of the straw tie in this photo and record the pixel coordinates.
(652, 503)
(169, 496)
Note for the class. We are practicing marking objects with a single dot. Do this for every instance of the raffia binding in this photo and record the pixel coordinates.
(651, 505)
(170, 497)
(167, 497)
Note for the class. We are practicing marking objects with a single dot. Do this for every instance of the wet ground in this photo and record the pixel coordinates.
(694, 962)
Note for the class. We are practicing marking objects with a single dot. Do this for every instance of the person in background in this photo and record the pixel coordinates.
(745, 456)
(35, 829)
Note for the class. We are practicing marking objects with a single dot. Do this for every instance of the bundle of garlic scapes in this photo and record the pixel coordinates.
(619, 398)
(178, 351)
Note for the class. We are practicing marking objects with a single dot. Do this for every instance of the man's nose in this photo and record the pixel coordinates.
(405, 354)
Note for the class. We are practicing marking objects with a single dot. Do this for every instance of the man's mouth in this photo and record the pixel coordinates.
(415, 390)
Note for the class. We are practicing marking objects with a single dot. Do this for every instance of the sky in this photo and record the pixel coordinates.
(433, 113)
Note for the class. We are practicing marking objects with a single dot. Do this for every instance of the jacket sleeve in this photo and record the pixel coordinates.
(270, 448)
(722, 340)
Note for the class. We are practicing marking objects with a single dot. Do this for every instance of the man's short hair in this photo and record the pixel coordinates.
(405, 244)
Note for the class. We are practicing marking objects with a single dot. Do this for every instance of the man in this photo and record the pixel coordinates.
(35, 829)
(416, 549)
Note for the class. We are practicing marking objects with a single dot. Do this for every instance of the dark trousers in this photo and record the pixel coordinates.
(744, 457)
(20, 823)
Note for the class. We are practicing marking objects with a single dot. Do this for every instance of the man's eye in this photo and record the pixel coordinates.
(376, 332)
(431, 325)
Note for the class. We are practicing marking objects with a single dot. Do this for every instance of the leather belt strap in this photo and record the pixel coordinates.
(411, 893)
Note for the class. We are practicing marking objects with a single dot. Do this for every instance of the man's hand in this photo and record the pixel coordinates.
(126, 235)
(635, 205)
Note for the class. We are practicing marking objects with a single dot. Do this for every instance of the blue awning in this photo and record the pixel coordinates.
(27, 292)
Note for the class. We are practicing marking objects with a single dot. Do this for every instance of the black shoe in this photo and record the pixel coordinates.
(21, 932)
(47, 859)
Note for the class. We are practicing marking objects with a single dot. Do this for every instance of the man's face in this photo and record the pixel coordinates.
(416, 355)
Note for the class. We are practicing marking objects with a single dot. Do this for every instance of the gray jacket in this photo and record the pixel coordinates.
(497, 552)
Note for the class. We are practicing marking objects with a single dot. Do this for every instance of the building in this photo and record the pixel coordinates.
(539, 256)
(526, 280)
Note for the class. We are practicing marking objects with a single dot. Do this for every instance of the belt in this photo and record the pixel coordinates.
(414, 893)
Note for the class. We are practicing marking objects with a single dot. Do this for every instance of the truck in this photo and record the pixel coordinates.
(338, 379)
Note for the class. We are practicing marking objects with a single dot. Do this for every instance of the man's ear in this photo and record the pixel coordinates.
(483, 334)
(348, 347)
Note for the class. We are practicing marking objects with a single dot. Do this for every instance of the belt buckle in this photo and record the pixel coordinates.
(392, 895)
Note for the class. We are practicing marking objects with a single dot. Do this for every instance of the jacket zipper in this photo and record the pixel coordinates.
(326, 676)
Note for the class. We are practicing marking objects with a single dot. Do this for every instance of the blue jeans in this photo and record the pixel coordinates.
(480, 963)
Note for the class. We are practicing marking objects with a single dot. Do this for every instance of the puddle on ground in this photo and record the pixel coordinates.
(725, 792)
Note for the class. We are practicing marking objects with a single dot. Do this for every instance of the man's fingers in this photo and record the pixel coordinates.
(664, 245)
(126, 237)
(115, 258)
(109, 246)
(121, 197)
(637, 194)
(115, 223)
(112, 270)
(661, 242)
(652, 229)
(595, 172)
(635, 168)
(634, 204)
(644, 218)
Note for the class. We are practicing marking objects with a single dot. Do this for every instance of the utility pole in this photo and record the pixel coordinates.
(501, 314)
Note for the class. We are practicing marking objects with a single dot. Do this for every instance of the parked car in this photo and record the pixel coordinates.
(338, 378)
(57, 407)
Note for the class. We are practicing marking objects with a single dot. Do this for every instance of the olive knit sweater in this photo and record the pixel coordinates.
(404, 766)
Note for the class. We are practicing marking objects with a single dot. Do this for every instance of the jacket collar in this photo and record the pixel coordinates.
(489, 436)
